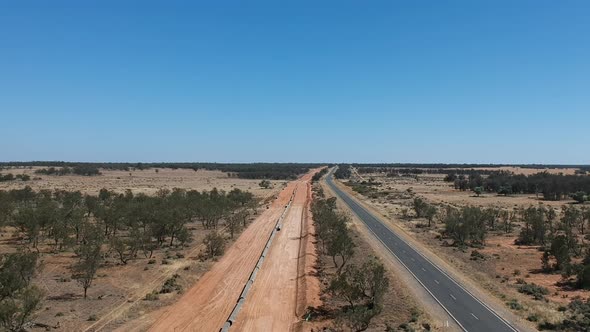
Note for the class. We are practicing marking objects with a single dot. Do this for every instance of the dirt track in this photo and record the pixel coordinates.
(271, 302)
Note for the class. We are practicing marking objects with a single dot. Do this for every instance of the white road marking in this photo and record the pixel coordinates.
(436, 282)
(474, 316)
(454, 298)
(423, 269)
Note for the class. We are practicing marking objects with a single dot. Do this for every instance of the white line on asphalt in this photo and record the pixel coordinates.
(454, 298)
(436, 281)
(423, 269)
(474, 316)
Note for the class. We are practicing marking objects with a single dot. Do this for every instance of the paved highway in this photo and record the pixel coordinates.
(470, 313)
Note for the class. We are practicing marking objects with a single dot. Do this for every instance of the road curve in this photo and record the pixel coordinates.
(470, 313)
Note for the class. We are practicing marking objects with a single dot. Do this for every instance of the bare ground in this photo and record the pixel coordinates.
(272, 302)
(140, 181)
(207, 305)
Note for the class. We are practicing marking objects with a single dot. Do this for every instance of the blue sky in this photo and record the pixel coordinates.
(302, 81)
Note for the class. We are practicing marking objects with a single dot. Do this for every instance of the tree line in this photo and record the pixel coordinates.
(553, 187)
(273, 171)
(86, 170)
(362, 286)
(11, 177)
(317, 176)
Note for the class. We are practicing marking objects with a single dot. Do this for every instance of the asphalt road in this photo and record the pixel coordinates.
(469, 313)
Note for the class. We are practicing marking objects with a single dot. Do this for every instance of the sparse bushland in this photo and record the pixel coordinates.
(550, 240)
(119, 225)
(553, 187)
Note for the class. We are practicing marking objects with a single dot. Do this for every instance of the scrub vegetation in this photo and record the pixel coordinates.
(88, 236)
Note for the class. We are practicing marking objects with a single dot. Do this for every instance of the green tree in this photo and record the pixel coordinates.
(234, 224)
(478, 191)
(429, 214)
(89, 256)
(561, 252)
(340, 244)
(505, 190)
(420, 207)
(17, 311)
(18, 298)
(466, 226)
(214, 244)
(580, 197)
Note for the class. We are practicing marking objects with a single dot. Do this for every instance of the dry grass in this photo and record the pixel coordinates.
(147, 181)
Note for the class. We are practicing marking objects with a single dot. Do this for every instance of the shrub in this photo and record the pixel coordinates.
(153, 296)
(215, 244)
(475, 255)
(536, 291)
(514, 305)
(171, 285)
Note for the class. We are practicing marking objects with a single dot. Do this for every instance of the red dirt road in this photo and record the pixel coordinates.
(271, 303)
(207, 305)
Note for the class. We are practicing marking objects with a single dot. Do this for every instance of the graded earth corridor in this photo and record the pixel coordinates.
(272, 300)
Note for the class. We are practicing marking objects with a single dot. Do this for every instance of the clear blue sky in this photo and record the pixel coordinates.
(303, 81)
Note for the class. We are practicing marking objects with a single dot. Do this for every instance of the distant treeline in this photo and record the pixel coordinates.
(11, 177)
(411, 165)
(342, 172)
(392, 172)
(86, 170)
(454, 169)
(274, 171)
(553, 186)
